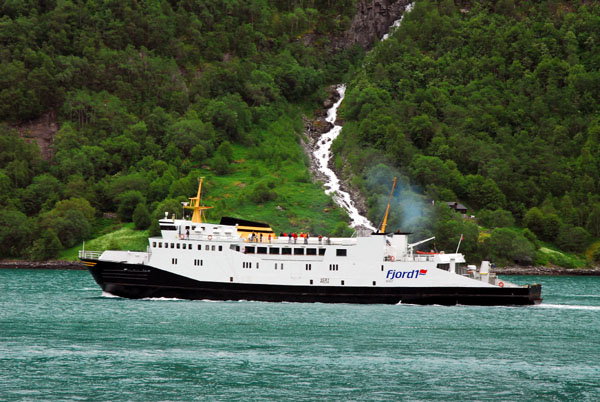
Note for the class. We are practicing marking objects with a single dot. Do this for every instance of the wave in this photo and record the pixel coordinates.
(109, 295)
(567, 307)
(162, 299)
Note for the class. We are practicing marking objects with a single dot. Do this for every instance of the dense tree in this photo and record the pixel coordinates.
(496, 106)
(508, 246)
(15, 233)
(141, 217)
(128, 201)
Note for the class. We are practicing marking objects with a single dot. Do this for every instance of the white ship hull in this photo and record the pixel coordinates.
(216, 262)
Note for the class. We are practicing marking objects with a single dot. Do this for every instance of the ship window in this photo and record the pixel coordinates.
(286, 251)
(231, 279)
(341, 252)
(308, 267)
(282, 266)
(172, 245)
(311, 281)
(177, 245)
(199, 247)
(321, 251)
(257, 265)
(445, 267)
(159, 244)
(213, 248)
(168, 227)
(184, 246)
(342, 283)
(249, 250)
(275, 265)
(274, 250)
(374, 283)
(173, 260)
(153, 244)
(298, 251)
(220, 248)
(207, 247)
(261, 250)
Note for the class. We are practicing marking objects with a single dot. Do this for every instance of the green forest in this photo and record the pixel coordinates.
(490, 104)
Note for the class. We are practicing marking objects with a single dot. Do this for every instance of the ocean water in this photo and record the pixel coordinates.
(61, 339)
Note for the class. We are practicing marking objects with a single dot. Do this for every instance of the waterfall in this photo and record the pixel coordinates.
(322, 153)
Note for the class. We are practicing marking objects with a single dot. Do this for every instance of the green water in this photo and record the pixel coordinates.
(60, 339)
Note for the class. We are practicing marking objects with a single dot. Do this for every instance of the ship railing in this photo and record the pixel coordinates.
(91, 255)
(313, 241)
(414, 258)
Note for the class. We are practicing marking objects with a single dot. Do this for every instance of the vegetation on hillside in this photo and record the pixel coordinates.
(152, 95)
(493, 104)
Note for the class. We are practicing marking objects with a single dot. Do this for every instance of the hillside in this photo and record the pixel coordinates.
(494, 106)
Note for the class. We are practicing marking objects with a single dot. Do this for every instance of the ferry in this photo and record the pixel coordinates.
(239, 259)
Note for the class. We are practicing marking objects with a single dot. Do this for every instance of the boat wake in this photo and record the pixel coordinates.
(567, 307)
(109, 295)
(162, 299)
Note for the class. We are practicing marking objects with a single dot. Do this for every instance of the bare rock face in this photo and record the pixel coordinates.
(314, 128)
(372, 20)
(42, 131)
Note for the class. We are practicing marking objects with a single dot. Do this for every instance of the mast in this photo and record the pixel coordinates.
(387, 211)
(195, 204)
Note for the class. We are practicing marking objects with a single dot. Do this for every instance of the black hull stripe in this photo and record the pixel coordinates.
(137, 281)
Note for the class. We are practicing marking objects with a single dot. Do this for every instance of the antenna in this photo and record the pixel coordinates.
(387, 211)
(462, 236)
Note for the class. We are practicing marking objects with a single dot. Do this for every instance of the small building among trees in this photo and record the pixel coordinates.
(460, 208)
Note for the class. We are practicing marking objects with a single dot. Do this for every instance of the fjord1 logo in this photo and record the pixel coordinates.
(415, 273)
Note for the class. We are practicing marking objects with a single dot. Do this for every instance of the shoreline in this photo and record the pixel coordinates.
(547, 271)
(78, 265)
(53, 264)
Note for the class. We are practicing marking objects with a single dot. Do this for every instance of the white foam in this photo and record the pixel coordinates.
(109, 295)
(567, 307)
(162, 299)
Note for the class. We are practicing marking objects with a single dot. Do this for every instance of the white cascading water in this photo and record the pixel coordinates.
(322, 152)
(397, 23)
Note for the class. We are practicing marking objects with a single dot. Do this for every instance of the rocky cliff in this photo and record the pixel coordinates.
(372, 20)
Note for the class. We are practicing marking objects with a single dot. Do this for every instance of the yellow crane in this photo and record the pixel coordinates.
(387, 211)
(195, 204)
